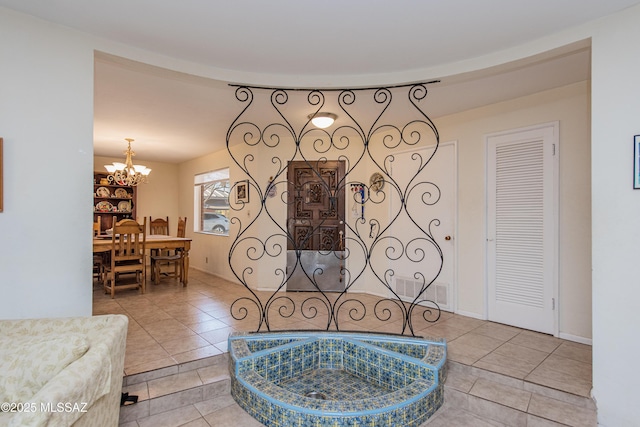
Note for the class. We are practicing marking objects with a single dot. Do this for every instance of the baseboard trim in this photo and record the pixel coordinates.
(470, 314)
(575, 338)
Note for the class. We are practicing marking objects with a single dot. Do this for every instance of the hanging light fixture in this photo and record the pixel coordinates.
(127, 173)
(322, 120)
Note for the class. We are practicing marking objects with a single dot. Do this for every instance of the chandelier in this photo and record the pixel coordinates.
(322, 120)
(127, 173)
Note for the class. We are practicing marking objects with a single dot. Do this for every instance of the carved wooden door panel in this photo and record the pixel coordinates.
(316, 205)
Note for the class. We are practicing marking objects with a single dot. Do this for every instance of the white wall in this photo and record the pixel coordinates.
(616, 225)
(46, 121)
(209, 252)
(46, 115)
(569, 105)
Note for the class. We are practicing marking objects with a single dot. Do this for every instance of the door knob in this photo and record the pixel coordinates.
(447, 238)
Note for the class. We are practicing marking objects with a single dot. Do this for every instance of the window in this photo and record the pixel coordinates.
(211, 196)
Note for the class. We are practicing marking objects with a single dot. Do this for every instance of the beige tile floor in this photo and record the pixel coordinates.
(169, 325)
(224, 412)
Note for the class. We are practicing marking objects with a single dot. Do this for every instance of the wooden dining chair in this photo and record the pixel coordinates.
(127, 269)
(182, 227)
(97, 226)
(167, 259)
(98, 258)
(159, 226)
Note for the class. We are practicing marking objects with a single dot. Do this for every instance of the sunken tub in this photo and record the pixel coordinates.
(337, 378)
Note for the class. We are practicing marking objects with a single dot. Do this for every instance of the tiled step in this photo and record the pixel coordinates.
(175, 387)
(514, 402)
(505, 400)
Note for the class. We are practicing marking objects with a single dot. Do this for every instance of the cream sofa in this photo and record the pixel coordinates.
(62, 372)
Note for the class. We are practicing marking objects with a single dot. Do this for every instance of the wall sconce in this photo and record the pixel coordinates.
(322, 120)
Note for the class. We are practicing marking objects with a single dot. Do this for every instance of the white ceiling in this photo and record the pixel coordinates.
(174, 117)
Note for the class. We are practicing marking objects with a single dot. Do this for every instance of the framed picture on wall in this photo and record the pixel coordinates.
(636, 162)
(242, 192)
(1, 172)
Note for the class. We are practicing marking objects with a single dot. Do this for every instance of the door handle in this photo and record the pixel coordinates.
(447, 238)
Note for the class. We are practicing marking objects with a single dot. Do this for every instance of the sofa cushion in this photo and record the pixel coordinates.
(28, 362)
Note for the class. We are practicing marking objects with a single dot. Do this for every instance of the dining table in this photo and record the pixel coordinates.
(103, 242)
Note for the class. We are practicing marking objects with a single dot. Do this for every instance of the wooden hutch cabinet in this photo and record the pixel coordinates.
(112, 200)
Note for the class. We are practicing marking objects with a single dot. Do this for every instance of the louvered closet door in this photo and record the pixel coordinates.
(522, 227)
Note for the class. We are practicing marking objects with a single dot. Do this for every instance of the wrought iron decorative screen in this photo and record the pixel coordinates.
(347, 172)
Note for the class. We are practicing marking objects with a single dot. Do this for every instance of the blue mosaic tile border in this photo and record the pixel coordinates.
(272, 412)
(410, 371)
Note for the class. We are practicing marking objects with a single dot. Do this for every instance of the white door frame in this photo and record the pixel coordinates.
(556, 141)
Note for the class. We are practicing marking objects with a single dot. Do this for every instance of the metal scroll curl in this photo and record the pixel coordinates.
(375, 126)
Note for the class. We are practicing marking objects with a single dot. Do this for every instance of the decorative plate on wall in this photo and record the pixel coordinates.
(376, 182)
(124, 206)
(103, 192)
(104, 206)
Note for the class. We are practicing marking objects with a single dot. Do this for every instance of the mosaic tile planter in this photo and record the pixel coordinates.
(337, 378)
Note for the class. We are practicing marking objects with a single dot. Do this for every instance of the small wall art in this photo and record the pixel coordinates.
(242, 191)
(636, 162)
(1, 173)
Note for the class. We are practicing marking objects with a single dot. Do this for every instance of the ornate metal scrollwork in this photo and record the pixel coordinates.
(371, 130)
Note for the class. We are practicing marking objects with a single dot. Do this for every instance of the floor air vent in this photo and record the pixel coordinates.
(408, 288)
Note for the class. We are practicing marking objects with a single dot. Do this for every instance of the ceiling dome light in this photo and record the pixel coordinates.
(322, 120)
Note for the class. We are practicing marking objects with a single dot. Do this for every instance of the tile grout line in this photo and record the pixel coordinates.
(531, 394)
(219, 293)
